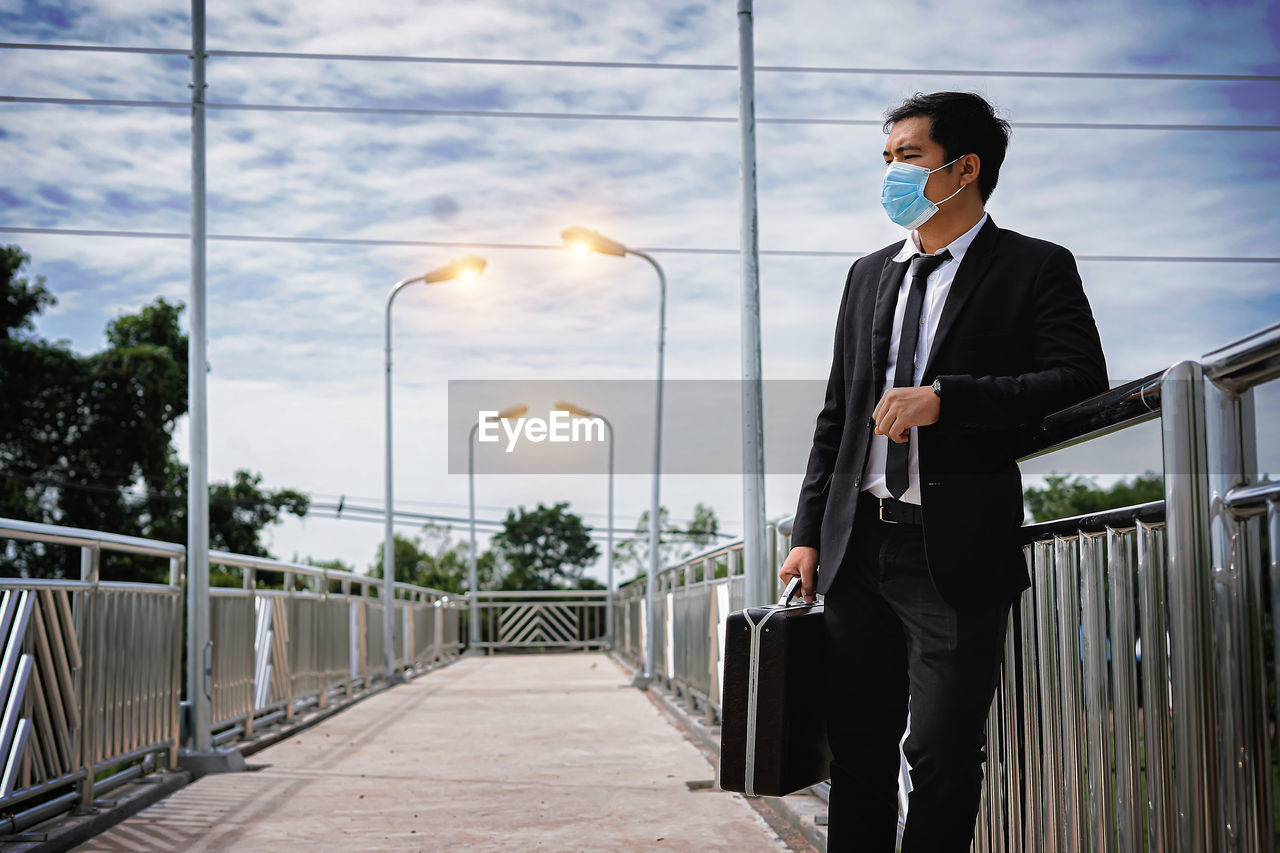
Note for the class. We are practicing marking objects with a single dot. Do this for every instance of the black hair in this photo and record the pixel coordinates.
(962, 123)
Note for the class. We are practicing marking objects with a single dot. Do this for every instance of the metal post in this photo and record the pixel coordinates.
(1157, 723)
(1097, 733)
(1053, 778)
(388, 538)
(473, 585)
(1273, 531)
(1072, 800)
(609, 560)
(609, 638)
(91, 726)
(389, 545)
(1186, 489)
(655, 519)
(753, 511)
(1034, 832)
(1128, 792)
(199, 644)
(1244, 768)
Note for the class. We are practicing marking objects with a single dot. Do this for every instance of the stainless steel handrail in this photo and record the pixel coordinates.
(1250, 361)
(1123, 406)
(88, 708)
(76, 537)
(269, 564)
(534, 594)
(111, 651)
(278, 651)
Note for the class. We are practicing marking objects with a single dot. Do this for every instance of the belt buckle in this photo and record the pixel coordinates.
(882, 517)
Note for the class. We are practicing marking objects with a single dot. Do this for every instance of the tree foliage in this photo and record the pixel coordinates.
(86, 440)
(674, 544)
(545, 548)
(1063, 496)
(435, 560)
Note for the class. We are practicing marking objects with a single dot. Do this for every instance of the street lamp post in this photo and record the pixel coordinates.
(584, 241)
(608, 611)
(465, 269)
(473, 584)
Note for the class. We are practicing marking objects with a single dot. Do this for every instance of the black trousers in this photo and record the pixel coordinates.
(893, 643)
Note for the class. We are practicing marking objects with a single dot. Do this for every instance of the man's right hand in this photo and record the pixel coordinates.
(801, 563)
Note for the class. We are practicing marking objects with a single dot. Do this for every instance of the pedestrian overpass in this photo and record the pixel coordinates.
(1135, 709)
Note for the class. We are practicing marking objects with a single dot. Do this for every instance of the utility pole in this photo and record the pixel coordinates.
(755, 565)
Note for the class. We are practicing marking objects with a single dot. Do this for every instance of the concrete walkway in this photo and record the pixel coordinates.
(504, 753)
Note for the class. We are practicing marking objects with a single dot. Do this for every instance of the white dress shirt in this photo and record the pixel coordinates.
(937, 286)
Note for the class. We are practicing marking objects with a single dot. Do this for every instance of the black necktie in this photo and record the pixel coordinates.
(904, 374)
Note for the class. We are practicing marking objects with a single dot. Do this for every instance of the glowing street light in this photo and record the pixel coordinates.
(464, 269)
(578, 411)
(473, 585)
(585, 241)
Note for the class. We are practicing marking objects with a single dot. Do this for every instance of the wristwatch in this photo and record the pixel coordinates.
(937, 386)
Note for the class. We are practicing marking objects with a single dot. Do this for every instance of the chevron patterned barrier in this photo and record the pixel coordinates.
(89, 674)
(546, 619)
(16, 671)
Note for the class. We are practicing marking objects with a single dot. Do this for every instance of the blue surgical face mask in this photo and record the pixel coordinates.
(902, 193)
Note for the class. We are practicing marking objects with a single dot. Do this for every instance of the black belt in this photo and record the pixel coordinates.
(890, 511)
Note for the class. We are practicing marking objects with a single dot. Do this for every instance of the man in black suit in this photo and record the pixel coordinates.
(948, 347)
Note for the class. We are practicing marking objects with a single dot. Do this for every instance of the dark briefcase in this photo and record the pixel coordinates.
(773, 734)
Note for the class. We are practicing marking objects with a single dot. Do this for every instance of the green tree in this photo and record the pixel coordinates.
(545, 548)
(239, 510)
(332, 565)
(435, 560)
(702, 530)
(86, 441)
(1063, 496)
(674, 544)
(22, 298)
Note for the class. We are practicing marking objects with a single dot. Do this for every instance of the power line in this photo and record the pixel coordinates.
(331, 497)
(563, 116)
(492, 522)
(340, 510)
(594, 532)
(671, 250)
(657, 66)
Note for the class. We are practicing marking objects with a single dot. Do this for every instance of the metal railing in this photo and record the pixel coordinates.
(1133, 711)
(693, 600)
(276, 652)
(90, 669)
(90, 674)
(1132, 708)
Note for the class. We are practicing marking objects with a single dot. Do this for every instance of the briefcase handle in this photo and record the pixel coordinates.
(793, 587)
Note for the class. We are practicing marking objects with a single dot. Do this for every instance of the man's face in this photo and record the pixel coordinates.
(909, 142)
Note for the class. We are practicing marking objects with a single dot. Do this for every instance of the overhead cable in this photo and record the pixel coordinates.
(668, 250)
(656, 66)
(635, 117)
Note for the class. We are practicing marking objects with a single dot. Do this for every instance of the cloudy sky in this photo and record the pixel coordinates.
(295, 330)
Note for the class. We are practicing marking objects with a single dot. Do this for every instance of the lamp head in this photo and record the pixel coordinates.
(578, 411)
(584, 241)
(513, 412)
(464, 269)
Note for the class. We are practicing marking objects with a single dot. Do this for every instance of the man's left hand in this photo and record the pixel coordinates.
(900, 409)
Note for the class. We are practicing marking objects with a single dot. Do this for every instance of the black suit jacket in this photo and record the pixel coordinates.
(1016, 341)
